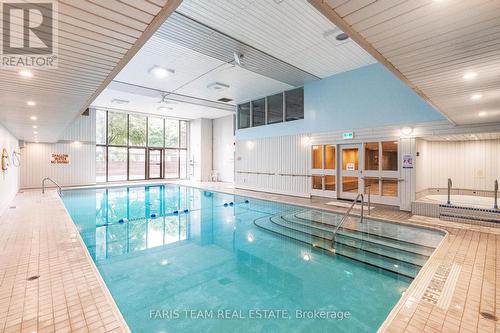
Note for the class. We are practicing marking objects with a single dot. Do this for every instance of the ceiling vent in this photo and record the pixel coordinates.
(119, 101)
(224, 99)
(217, 86)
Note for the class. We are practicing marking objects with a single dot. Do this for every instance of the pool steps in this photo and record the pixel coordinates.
(400, 257)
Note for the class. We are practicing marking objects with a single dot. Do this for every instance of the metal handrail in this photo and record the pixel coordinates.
(346, 215)
(495, 206)
(450, 184)
(52, 180)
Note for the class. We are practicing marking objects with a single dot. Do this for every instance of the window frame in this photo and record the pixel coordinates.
(146, 147)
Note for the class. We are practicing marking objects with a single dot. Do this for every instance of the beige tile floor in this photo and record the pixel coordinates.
(37, 237)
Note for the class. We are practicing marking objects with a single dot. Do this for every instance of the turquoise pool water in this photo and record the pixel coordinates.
(211, 269)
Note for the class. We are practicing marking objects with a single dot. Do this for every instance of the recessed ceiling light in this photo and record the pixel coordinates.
(406, 130)
(469, 76)
(161, 72)
(31, 103)
(476, 97)
(33, 118)
(164, 108)
(25, 73)
(35, 132)
(34, 126)
(119, 101)
(482, 114)
(342, 37)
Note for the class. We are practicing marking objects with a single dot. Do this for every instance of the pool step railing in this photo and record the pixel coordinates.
(347, 214)
(401, 257)
(388, 243)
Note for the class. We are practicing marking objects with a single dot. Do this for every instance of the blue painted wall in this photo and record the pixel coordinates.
(370, 96)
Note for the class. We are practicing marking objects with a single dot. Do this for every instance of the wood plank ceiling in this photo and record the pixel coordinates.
(448, 51)
(95, 41)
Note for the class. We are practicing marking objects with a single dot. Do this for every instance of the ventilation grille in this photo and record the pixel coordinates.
(224, 99)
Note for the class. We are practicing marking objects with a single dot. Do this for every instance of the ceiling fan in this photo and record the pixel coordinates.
(164, 99)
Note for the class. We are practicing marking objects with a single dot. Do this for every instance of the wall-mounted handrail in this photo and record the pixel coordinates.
(450, 184)
(346, 215)
(495, 205)
(58, 187)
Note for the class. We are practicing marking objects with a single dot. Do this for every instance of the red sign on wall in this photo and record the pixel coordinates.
(59, 159)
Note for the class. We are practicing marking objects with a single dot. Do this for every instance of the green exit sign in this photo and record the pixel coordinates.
(348, 135)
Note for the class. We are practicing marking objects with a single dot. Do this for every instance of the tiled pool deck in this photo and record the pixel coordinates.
(37, 237)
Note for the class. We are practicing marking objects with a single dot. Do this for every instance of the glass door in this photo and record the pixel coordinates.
(350, 173)
(155, 159)
(323, 170)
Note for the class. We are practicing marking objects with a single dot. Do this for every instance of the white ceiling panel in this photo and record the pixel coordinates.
(243, 85)
(187, 64)
(95, 39)
(431, 44)
(292, 31)
(193, 72)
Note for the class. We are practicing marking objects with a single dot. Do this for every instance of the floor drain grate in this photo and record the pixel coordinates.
(32, 278)
(489, 316)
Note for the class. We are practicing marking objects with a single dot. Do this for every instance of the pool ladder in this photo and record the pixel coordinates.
(58, 186)
(346, 215)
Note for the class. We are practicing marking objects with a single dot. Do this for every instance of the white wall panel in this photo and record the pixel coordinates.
(223, 148)
(407, 177)
(200, 151)
(81, 169)
(9, 179)
(277, 164)
(36, 164)
(470, 164)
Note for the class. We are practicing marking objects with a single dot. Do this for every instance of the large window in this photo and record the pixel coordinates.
(100, 127)
(259, 112)
(288, 105)
(171, 133)
(117, 163)
(294, 100)
(155, 132)
(135, 147)
(137, 163)
(244, 115)
(117, 128)
(275, 109)
(137, 130)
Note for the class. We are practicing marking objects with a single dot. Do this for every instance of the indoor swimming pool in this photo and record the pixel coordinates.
(180, 259)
